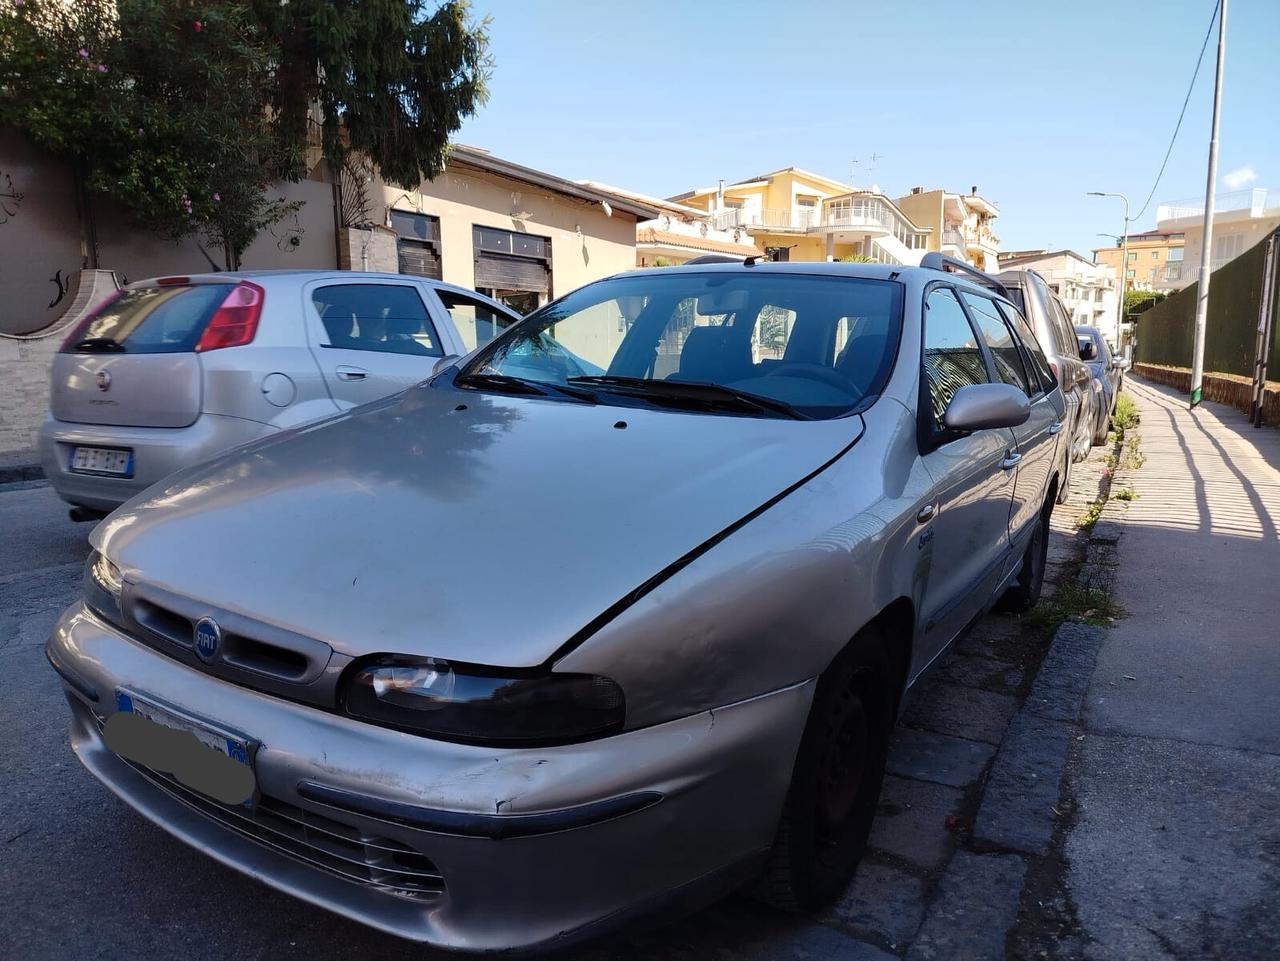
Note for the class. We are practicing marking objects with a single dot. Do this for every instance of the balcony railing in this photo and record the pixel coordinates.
(1190, 273)
(954, 238)
(1256, 200)
(846, 212)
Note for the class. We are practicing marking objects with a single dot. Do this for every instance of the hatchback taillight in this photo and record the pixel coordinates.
(235, 322)
(78, 331)
(1053, 366)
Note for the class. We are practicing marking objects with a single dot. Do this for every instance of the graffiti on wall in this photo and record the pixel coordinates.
(10, 198)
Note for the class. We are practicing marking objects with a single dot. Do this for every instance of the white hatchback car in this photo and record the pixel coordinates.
(173, 370)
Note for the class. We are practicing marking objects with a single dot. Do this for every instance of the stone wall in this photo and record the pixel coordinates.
(1224, 388)
(373, 249)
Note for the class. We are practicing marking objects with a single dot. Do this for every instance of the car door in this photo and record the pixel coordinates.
(1036, 439)
(968, 535)
(371, 338)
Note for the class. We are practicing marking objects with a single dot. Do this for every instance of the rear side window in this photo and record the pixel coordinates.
(389, 318)
(477, 322)
(952, 357)
(150, 320)
(1004, 349)
(1038, 364)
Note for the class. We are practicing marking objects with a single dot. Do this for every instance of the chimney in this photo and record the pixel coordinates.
(973, 191)
(917, 190)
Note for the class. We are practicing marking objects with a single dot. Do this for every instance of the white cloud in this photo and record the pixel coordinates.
(1239, 178)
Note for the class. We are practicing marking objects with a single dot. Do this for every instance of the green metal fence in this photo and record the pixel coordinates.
(1166, 332)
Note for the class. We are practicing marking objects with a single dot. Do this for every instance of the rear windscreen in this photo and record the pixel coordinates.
(1015, 295)
(152, 320)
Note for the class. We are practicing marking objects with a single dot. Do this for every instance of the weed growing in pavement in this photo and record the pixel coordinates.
(1126, 416)
(1125, 494)
(1091, 514)
(1074, 602)
(1132, 458)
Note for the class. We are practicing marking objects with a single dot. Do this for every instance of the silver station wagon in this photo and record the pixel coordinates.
(173, 370)
(613, 617)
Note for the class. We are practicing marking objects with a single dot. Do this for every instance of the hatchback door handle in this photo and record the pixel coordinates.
(1011, 458)
(351, 373)
(926, 513)
(1055, 427)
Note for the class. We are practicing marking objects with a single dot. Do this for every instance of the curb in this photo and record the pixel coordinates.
(13, 473)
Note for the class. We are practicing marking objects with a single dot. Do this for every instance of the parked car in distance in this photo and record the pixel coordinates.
(1107, 370)
(1052, 325)
(787, 493)
(171, 371)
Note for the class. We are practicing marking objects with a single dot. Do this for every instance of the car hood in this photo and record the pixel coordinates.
(480, 528)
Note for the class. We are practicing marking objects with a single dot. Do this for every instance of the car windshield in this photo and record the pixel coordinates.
(760, 343)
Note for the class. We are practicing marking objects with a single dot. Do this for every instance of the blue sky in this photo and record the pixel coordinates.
(1035, 103)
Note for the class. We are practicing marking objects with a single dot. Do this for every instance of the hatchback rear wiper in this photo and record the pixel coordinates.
(701, 393)
(107, 344)
(522, 385)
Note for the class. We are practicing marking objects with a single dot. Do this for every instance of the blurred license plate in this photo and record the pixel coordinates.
(102, 460)
(149, 739)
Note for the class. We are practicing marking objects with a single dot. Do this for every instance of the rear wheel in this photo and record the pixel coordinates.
(836, 782)
(1025, 592)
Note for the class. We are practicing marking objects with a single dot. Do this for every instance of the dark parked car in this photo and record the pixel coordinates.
(1108, 374)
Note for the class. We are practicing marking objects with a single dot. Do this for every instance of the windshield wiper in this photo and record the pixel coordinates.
(100, 343)
(702, 393)
(521, 385)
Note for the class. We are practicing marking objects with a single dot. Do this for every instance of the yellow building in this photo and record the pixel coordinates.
(792, 214)
(959, 225)
(1155, 259)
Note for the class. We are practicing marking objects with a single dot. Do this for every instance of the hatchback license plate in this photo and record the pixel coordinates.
(215, 762)
(102, 460)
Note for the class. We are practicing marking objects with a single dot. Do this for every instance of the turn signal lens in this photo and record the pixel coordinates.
(477, 705)
(235, 322)
(103, 586)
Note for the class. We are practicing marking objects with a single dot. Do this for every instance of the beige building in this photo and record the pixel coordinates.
(518, 234)
(959, 225)
(1089, 291)
(793, 214)
(1154, 263)
(1241, 219)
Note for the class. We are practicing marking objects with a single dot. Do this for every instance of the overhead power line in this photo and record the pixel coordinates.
(1213, 17)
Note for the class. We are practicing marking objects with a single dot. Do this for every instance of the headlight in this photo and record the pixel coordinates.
(482, 706)
(102, 586)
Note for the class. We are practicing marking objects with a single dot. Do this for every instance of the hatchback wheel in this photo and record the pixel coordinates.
(1064, 489)
(836, 782)
(1025, 592)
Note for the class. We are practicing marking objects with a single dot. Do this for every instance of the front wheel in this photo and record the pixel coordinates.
(835, 785)
(1064, 489)
(1025, 592)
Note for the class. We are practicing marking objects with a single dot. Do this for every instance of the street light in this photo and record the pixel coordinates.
(1124, 258)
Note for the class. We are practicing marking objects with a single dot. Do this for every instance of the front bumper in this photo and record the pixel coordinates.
(157, 453)
(713, 783)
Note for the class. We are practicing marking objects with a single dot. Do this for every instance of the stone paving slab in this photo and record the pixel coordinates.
(964, 711)
(1059, 689)
(997, 636)
(926, 756)
(883, 905)
(911, 821)
(983, 672)
(976, 905)
(1021, 795)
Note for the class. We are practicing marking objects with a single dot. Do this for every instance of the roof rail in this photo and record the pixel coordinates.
(714, 259)
(936, 261)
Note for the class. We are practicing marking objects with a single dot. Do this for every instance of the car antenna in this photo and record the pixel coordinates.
(751, 261)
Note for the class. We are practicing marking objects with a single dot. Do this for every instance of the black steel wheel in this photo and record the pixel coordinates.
(1025, 592)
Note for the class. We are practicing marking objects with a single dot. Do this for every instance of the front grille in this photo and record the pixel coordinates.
(331, 846)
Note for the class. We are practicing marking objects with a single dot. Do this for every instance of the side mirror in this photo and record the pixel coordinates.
(1119, 363)
(444, 362)
(984, 406)
(1088, 351)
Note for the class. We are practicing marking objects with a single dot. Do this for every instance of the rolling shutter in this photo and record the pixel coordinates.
(417, 243)
(507, 260)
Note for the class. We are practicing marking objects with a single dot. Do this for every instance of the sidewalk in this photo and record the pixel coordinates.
(1175, 849)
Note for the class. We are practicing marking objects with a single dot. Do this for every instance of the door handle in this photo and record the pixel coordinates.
(926, 513)
(351, 373)
(1011, 458)
(1055, 427)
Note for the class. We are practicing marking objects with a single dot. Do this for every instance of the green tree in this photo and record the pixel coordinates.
(1136, 301)
(186, 112)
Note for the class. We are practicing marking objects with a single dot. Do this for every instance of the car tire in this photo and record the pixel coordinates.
(1025, 592)
(835, 785)
(1103, 428)
(1064, 488)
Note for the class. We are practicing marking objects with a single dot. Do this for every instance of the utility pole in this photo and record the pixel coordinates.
(1124, 261)
(1206, 263)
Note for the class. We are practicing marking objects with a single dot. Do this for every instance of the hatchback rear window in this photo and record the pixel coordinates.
(151, 320)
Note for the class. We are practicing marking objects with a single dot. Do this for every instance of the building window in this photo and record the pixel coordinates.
(1155, 255)
(1228, 247)
(1133, 255)
(1175, 255)
(512, 268)
(417, 243)
(1129, 274)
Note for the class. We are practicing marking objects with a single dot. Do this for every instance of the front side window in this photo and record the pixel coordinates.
(1004, 349)
(388, 318)
(477, 323)
(750, 342)
(952, 357)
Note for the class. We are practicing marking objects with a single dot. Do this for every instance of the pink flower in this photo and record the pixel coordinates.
(102, 68)
(217, 196)
(84, 54)
(197, 26)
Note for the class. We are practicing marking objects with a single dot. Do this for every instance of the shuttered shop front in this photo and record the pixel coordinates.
(506, 260)
(417, 243)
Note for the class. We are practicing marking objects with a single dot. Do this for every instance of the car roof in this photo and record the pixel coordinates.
(303, 276)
